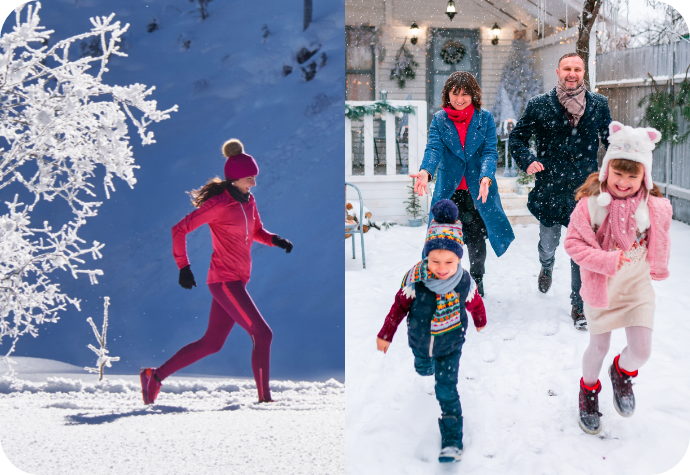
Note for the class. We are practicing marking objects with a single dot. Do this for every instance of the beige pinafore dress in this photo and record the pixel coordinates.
(630, 293)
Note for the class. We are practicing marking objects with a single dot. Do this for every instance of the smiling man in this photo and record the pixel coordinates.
(567, 123)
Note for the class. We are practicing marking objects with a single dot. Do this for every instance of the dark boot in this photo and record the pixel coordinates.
(578, 315)
(589, 408)
(623, 397)
(544, 279)
(479, 280)
(451, 438)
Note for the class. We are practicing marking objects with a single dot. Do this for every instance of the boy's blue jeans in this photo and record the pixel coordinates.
(446, 370)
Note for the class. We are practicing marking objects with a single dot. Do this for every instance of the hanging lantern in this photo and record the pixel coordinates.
(450, 10)
(495, 31)
(414, 33)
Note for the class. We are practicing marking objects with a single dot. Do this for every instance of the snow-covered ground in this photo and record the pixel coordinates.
(56, 420)
(518, 378)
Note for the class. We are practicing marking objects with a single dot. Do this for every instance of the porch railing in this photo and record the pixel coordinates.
(404, 149)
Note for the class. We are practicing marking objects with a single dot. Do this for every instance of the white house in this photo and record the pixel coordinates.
(381, 148)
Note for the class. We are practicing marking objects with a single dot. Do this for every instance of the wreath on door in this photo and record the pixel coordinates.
(452, 52)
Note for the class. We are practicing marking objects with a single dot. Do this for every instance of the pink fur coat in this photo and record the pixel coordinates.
(597, 265)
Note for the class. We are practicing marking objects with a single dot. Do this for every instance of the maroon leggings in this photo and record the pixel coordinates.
(231, 304)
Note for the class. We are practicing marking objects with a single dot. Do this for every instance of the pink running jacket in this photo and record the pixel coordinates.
(234, 227)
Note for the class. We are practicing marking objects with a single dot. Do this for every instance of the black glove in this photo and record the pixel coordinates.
(282, 243)
(187, 278)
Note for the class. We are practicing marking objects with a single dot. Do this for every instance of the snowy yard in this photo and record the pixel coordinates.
(518, 378)
(70, 424)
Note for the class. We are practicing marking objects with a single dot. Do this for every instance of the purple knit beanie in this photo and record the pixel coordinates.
(240, 166)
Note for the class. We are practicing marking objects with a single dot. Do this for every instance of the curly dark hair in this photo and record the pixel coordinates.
(462, 80)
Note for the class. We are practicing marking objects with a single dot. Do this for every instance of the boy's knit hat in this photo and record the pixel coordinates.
(238, 164)
(634, 144)
(445, 231)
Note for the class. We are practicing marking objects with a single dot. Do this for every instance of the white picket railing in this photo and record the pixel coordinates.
(384, 193)
(417, 132)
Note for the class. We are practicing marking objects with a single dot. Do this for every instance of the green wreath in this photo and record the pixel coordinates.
(453, 52)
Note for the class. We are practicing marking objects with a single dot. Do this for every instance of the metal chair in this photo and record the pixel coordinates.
(355, 228)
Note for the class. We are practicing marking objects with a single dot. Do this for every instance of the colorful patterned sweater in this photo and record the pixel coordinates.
(403, 303)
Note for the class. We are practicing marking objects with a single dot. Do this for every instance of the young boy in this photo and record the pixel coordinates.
(434, 296)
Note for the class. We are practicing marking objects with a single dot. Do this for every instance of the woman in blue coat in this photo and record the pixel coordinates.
(462, 147)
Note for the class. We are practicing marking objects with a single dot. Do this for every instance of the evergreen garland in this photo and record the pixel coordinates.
(358, 112)
(665, 104)
(403, 69)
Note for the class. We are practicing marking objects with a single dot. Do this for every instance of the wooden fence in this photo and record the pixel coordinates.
(623, 77)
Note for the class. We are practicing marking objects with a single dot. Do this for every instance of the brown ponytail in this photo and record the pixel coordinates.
(215, 186)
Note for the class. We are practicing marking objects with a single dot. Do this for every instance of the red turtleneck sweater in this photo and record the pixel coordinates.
(461, 119)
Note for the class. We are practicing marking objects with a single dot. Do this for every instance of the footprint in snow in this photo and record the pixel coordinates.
(509, 333)
(536, 439)
(551, 326)
(469, 372)
(487, 351)
(428, 448)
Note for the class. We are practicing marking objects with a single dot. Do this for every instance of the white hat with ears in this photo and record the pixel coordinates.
(635, 144)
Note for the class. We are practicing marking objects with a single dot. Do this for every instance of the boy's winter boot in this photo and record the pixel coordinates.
(578, 315)
(623, 397)
(150, 385)
(544, 280)
(589, 408)
(451, 439)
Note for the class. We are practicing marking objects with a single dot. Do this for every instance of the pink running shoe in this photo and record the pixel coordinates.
(144, 377)
(150, 385)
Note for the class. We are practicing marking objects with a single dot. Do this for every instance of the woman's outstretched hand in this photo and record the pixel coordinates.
(420, 182)
(484, 189)
(382, 345)
(187, 278)
(282, 243)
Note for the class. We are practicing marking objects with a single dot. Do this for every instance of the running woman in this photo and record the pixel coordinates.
(229, 208)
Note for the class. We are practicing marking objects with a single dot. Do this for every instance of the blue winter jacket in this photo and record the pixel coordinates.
(477, 160)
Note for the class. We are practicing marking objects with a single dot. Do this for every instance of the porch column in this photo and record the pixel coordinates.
(391, 148)
(413, 141)
(348, 146)
(368, 131)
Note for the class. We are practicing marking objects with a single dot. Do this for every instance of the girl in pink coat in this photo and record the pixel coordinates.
(229, 209)
(619, 236)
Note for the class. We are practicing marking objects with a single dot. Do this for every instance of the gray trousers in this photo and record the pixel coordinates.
(549, 238)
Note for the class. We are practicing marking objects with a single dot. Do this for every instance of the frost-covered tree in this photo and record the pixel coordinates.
(520, 81)
(503, 109)
(58, 125)
(665, 27)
